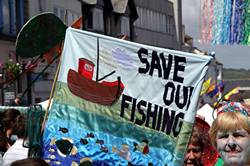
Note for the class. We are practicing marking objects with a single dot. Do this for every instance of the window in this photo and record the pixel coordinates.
(153, 20)
(67, 16)
(93, 19)
(98, 19)
(167, 26)
(164, 25)
(89, 20)
(125, 26)
(56, 11)
(170, 25)
(60, 12)
(11, 16)
(72, 17)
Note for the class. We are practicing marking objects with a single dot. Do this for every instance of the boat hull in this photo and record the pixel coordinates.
(100, 93)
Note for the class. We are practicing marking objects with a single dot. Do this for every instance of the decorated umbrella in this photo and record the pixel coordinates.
(39, 35)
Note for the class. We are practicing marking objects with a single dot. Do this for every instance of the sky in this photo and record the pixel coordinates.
(231, 56)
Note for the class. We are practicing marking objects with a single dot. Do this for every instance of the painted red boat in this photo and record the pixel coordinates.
(81, 84)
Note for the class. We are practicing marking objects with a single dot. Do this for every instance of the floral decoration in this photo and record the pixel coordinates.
(13, 69)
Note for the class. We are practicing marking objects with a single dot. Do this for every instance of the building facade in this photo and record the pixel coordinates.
(12, 18)
(214, 71)
(156, 23)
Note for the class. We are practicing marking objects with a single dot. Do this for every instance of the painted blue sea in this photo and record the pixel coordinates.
(74, 136)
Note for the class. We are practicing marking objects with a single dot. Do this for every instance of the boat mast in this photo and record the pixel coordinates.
(97, 63)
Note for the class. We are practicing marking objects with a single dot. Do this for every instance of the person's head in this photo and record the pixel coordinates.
(195, 148)
(7, 121)
(19, 126)
(230, 134)
(17, 100)
(9, 117)
(30, 162)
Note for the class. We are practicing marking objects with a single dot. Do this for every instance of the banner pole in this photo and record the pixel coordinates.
(51, 92)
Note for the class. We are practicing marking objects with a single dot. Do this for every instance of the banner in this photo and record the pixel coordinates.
(122, 103)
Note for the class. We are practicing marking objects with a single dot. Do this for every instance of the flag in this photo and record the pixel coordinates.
(205, 86)
(221, 86)
(211, 87)
(230, 93)
(52, 52)
(217, 90)
(78, 23)
(214, 92)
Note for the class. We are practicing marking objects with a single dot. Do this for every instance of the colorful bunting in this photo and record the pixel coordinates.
(225, 21)
(246, 23)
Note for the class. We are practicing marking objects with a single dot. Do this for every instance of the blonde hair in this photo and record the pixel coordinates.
(228, 121)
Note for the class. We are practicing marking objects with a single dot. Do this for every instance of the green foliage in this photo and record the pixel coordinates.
(236, 74)
(14, 68)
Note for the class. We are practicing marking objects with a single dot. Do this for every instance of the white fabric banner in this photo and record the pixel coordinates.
(154, 102)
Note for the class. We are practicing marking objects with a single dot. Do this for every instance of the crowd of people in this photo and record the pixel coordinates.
(12, 134)
(229, 134)
(226, 142)
(6, 128)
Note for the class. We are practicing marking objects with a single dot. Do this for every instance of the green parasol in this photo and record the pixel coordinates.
(39, 34)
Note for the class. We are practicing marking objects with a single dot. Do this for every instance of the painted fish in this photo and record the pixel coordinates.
(65, 146)
(84, 141)
(98, 141)
(90, 135)
(63, 129)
